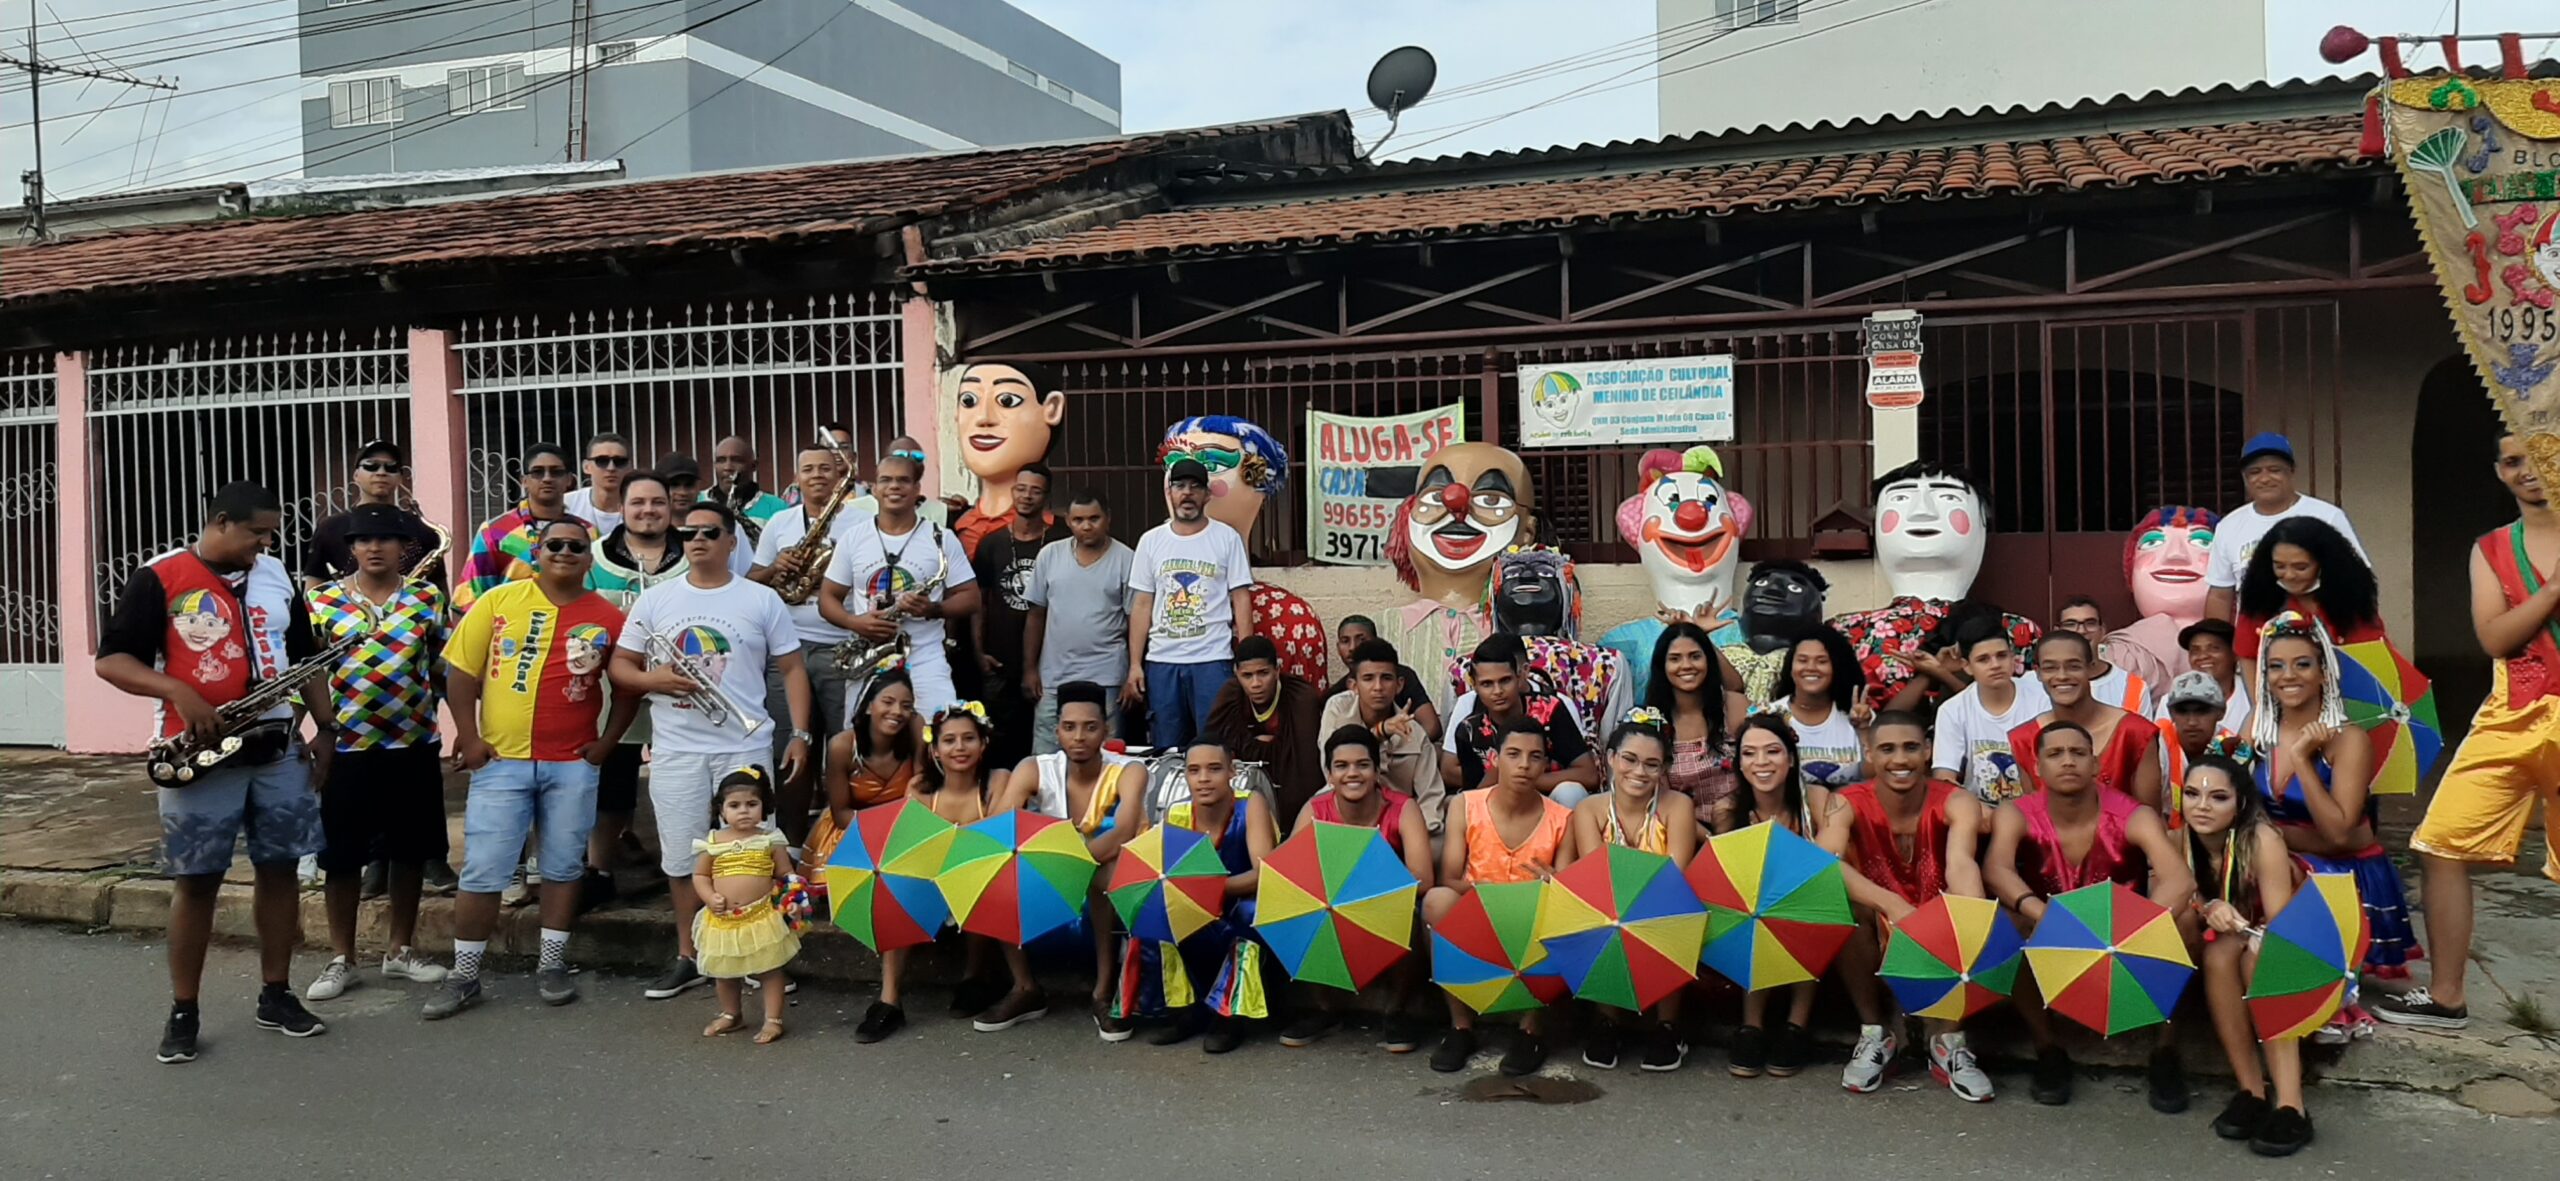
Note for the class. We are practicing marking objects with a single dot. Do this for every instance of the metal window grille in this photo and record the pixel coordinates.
(30, 602)
(169, 423)
(364, 102)
(678, 380)
(614, 53)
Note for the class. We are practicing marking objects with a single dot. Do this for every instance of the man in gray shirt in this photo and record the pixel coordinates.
(1081, 585)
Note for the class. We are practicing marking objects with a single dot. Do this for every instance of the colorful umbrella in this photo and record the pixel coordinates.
(1952, 958)
(2109, 958)
(880, 879)
(1486, 953)
(1167, 884)
(1777, 907)
(2308, 957)
(2394, 702)
(1623, 927)
(1336, 905)
(1017, 877)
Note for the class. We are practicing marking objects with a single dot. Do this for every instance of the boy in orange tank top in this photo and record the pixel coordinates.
(1509, 832)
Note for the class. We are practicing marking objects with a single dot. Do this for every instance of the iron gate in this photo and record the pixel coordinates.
(31, 710)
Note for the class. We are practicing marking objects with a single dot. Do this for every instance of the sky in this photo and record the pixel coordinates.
(235, 115)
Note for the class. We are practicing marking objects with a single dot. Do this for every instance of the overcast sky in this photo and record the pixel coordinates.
(235, 115)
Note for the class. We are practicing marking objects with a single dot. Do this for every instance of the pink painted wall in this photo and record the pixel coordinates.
(923, 386)
(99, 720)
(439, 445)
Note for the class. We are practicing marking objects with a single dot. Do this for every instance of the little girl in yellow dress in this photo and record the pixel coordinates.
(738, 933)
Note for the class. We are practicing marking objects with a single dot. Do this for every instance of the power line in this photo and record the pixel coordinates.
(36, 68)
(226, 40)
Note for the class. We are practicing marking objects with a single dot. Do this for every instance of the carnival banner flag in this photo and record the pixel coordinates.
(1657, 402)
(1360, 469)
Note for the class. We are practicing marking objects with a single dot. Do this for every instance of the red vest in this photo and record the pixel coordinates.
(2535, 672)
(2111, 856)
(1924, 876)
(220, 641)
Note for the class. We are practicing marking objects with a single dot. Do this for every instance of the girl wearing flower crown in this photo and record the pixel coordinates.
(738, 933)
(2244, 875)
(1638, 810)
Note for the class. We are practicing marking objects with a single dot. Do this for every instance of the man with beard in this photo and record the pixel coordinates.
(640, 553)
(1003, 563)
(1193, 586)
(781, 554)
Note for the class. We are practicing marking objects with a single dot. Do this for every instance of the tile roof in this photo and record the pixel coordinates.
(695, 213)
(2102, 160)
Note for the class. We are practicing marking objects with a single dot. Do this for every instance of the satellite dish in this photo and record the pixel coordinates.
(1398, 83)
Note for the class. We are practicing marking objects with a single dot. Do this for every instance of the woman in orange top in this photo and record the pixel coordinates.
(1510, 832)
(869, 763)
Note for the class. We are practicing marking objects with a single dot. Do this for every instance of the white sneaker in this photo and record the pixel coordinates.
(406, 964)
(518, 893)
(1951, 1062)
(334, 981)
(1867, 1063)
(307, 871)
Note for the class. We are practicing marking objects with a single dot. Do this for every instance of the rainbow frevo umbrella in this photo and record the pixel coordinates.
(1017, 876)
(2308, 958)
(2395, 703)
(1167, 884)
(1623, 927)
(1952, 958)
(1777, 907)
(1486, 953)
(881, 878)
(1335, 904)
(2109, 958)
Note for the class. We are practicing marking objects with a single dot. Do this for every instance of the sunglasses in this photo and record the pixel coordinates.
(564, 545)
(690, 533)
(546, 473)
(1216, 459)
(378, 466)
(609, 462)
(917, 456)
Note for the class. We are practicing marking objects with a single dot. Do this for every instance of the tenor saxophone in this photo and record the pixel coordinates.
(182, 758)
(819, 547)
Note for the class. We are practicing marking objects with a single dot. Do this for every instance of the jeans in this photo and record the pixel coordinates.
(1179, 696)
(826, 708)
(1569, 794)
(509, 797)
(1044, 724)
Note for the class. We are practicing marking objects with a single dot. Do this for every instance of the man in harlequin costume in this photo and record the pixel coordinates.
(2164, 562)
(1781, 603)
(1536, 597)
(1687, 530)
(1247, 467)
(1473, 502)
(1930, 531)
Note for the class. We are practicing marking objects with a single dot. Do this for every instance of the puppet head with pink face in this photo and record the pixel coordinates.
(1930, 531)
(1686, 527)
(2165, 559)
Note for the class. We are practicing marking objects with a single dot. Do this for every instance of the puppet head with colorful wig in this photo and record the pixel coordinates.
(1930, 531)
(1686, 527)
(1535, 593)
(1246, 465)
(2165, 559)
(1473, 502)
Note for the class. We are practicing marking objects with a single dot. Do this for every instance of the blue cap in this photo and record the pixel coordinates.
(2266, 443)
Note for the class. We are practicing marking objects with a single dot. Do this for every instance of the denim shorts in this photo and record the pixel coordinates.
(510, 797)
(270, 803)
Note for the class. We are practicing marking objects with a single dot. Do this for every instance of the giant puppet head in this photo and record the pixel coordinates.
(1005, 413)
(1930, 531)
(1246, 465)
(1687, 528)
(1782, 602)
(1473, 502)
(1536, 594)
(2165, 558)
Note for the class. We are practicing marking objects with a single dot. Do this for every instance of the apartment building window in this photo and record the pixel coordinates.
(344, 3)
(1022, 73)
(1735, 14)
(1061, 93)
(473, 89)
(364, 101)
(614, 53)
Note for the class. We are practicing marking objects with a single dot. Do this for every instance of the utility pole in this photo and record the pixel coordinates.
(36, 69)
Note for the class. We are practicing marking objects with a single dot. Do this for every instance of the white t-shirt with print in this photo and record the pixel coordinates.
(1190, 577)
(1830, 752)
(581, 502)
(784, 530)
(873, 563)
(738, 628)
(2236, 538)
(1972, 743)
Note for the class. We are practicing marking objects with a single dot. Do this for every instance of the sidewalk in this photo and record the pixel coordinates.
(77, 840)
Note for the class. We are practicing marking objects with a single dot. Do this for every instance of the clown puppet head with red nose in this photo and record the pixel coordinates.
(1687, 530)
(1474, 501)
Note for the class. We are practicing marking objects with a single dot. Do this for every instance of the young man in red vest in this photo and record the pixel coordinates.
(2512, 754)
(195, 630)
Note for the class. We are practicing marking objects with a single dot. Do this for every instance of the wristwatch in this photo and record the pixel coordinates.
(803, 736)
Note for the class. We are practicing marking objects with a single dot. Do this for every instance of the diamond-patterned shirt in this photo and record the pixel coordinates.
(385, 691)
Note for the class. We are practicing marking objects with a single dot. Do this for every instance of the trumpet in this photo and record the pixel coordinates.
(707, 698)
(851, 656)
(244, 726)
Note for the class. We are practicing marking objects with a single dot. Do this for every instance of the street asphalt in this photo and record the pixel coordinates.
(621, 1087)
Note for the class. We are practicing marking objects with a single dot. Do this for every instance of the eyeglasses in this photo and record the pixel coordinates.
(1216, 459)
(379, 467)
(610, 462)
(564, 545)
(691, 533)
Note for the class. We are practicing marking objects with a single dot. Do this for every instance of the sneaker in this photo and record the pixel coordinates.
(1111, 1027)
(518, 894)
(596, 890)
(1013, 1010)
(1870, 1060)
(1183, 1027)
(879, 1021)
(1527, 1053)
(281, 1011)
(679, 976)
(2420, 1008)
(1951, 1062)
(178, 1038)
(1309, 1029)
(2284, 1133)
(1225, 1034)
(556, 986)
(1403, 1034)
(2360, 1022)
(2335, 1033)
(2050, 1084)
(334, 981)
(1749, 1055)
(457, 996)
(377, 881)
(976, 996)
(1599, 1047)
(1786, 1050)
(2168, 1082)
(406, 964)
(790, 987)
(439, 879)
(1664, 1052)
(1457, 1048)
(2242, 1117)
(307, 871)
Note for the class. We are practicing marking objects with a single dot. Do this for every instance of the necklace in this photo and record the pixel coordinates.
(1264, 715)
(1618, 824)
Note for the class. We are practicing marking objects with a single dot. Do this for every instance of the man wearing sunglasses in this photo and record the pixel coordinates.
(730, 630)
(1193, 586)
(502, 551)
(380, 471)
(600, 501)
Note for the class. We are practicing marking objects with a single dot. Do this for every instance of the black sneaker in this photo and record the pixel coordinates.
(1403, 1034)
(596, 890)
(1599, 1048)
(879, 1021)
(1310, 1029)
(1457, 1047)
(2242, 1117)
(377, 881)
(438, 879)
(1749, 1054)
(1786, 1050)
(281, 1011)
(2168, 1082)
(1183, 1027)
(1526, 1055)
(1664, 1052)
(1112, 1027)
(178, 1038)
(1013, 1010)
(2050, 1084)
(2420, 1008)
(1225, 1034)
(2284, 1133)
(679, 976)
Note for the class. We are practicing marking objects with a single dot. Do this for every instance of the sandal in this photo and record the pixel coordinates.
(724, 1023)
(771, 1033)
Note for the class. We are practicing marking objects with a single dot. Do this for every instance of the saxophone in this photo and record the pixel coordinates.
(424, 569)
(177, 760)
(819, 547)
(852, 656)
